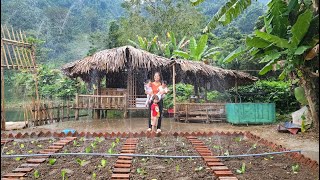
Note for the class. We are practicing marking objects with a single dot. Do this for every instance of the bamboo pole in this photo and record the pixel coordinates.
(76, 113)
(17, 48)
(4, 56)
(68, 111)
(3, 116)
(25, 51)
(174, 88)
(62, 111)
(3, 45)
(24, 61)
(30, 55)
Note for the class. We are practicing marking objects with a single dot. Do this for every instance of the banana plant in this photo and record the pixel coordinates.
(169, 47)
(198, 51)
(227, 13)
(144, 44)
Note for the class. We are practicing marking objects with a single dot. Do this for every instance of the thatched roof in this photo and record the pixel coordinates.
(115, 60)
(122, 58)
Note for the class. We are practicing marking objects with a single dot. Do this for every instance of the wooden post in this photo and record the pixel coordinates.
(50, 111)
(68, 110)
(62, 111)
(174, 89)
(58, 112)
(236, 86)
(3, 116)
(76, 112)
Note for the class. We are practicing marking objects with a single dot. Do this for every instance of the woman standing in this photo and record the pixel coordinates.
(155, 89)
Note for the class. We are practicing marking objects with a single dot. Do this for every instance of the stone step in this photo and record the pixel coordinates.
(55, 147)
(219, 168)
(29, 165)
(71, 138)
(127, 151)
(8, 175)
(120, 176)
(227, 178)
(39, 160)
(215, 164)
(125, 157)
(211, 159)
(223, 173)
(122, 165)
(120, 161)
(121, 170)
(59, 144)
(23, 170)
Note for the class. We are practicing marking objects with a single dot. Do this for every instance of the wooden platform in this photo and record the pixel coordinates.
(201, 112)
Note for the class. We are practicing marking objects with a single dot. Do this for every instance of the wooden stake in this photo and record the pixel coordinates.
(3, 116)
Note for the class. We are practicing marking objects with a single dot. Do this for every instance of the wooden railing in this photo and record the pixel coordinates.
(84, 101)
(208, 112)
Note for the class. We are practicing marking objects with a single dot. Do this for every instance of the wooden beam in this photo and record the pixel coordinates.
(3, 116)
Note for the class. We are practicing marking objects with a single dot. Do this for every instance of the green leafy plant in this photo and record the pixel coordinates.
(141, 171)
(94, 175)
(18, 158)
(117, 140)
(254, 146)
(36, 174)
(238, 139)
(242, 169)
(52, 161)
(295, 168)
(10, 152)
(93, 144)
(80, 162)
(177, 168)
(226, 153)
(88, 149)
(200, 168)
(103, 163)
(216, 147)
(64, 174)
(21, 146)
(39, 145)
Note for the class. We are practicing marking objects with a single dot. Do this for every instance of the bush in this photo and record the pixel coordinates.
(264, 91)
(183, 93)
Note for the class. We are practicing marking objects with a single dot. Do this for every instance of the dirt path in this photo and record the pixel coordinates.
(307, 142)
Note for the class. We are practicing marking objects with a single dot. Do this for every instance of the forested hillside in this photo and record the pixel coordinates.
(67, 30)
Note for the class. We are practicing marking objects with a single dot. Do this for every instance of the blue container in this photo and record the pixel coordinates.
(66, 131)
(251, 113)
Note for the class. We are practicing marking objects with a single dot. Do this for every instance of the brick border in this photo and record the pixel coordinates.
(218, 168)
(23, 169)
(300, 158)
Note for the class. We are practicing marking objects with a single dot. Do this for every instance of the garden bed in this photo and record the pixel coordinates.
(100, 167)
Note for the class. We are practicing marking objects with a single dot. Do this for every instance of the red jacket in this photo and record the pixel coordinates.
(155, 112)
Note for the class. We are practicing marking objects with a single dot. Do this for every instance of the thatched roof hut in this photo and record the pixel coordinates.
(118, 62)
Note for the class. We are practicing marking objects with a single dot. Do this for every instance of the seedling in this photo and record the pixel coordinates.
(141, 171)
(88, 149)
(110, 151)
(177, 168)
(52, 161)
(63, 174)
(14, 143)
(75, 143)
(295, 168)
(113, 144)
(36, 174)
(94, 175)
(82, 139)
(242, 170)
(145, 159)
(18, 158)
(238, 139)
(99, 140)
(103, 163)
(226, 153)
(81, 162)
(39, 145)
(254, 146)
(10, 152)
(216, 147)
(117, 140)
(21, 146)
(30, 151)
(94, 144)
(200, 168)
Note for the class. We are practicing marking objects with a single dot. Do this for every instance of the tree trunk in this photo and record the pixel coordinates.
(310, 89)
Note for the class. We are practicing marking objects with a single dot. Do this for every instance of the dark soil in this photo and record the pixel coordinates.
(159, 168)
(266, 167)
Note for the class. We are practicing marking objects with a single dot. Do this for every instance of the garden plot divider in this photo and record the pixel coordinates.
(121, 169)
